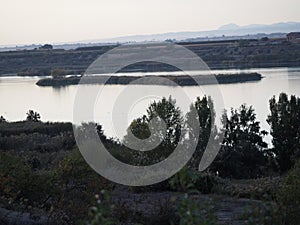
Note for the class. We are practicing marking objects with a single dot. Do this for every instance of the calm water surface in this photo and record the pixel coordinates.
(19, 94)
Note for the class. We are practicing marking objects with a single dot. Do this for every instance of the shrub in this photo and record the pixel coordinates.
(191, 212)
(188, 180)
(18, 182)
(102, 212)
(286, 211)
(289, 197)
(205, 183)
(184, 180)
(13, 175)
(264, 214)
(78, 183)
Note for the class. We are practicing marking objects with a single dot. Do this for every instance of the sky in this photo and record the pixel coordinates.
(54, 21)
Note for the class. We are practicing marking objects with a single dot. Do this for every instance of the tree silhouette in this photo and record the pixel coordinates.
(2, 119)
(33, 116)
(164, 110)
(243, 150)
(285, 129)
(206, 116)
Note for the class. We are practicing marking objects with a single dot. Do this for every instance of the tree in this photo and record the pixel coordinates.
(242, 154)
(46, 47)
(33, 116)
(206, 116)
(2, 119)
(163, 111)
(139, 127)
(58, 73)
(167, 111)
(285, 129)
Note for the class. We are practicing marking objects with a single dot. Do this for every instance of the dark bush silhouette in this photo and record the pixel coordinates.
(242, 154)
(33, 116)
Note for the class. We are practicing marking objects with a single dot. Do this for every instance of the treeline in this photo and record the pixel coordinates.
(243, 152)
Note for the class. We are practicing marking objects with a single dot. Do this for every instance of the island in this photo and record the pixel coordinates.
(181, 80)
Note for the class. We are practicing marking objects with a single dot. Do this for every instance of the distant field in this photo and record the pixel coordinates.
(218, 55)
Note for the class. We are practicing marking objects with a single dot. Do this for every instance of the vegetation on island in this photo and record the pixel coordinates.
(45, 180)
(58, 80)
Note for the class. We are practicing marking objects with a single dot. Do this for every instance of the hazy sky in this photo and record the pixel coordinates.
(50, 21)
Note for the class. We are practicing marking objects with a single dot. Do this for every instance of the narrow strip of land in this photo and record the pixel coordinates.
(182, 80)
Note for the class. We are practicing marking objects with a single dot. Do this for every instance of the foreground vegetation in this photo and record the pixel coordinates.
(43, 173)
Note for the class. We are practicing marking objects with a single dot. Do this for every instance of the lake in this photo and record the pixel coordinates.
(19, 94)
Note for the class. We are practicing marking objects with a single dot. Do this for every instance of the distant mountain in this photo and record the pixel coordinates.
(231, 26)
(225, 30)
(234, 29)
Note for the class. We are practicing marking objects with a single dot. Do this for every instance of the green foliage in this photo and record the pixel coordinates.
(78, 183)
(18, 182)
(102, 212)
(206, 183)
(188, 180)
(165, 111)
(192, 212)
(184, 180)
(265, 213)
(74, 171)
(29, 127)
(36, 137)
(243, 150)
(13, 175)
(140, 128)
(289, 197)
(258, 188)
(285, 129)
(286, 209)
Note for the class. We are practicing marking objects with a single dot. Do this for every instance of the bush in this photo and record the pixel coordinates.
(289, 197)
(286, 211)
(187, 180)
(78, 183)
(206, 183)
(28, 127)
(102, 212)
(184, 180)
(13, 175)
(253, 188)
(18, 182)
(191, 212)
(264, 214)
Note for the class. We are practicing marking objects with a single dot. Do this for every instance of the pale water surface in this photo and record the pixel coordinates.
(19, 94)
